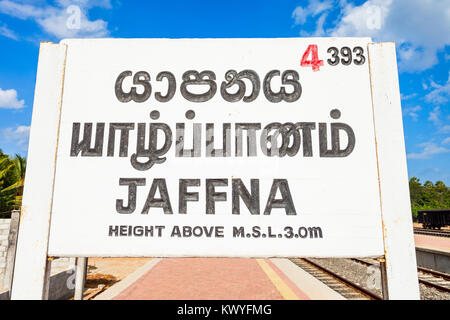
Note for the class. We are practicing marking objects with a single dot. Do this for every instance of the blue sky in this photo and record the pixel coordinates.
(420, 29)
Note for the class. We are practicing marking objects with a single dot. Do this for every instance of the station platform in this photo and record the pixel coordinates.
(438, 243)
(433, 252)
(232, 279)
(219, 279)
(239, 278)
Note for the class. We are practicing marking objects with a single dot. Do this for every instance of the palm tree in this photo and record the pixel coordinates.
(12, 174)
(5, 167)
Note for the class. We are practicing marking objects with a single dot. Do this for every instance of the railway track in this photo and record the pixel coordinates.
(344, 287)
(432, 232)
(430, 278)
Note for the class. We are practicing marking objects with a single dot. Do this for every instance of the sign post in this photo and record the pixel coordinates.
(217, 148)
(80, 278)
(32, 244)
(11, 252)
(398, 235)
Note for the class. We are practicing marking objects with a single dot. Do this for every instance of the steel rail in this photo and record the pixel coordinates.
(431, 232)
(434, 285)
(423, 270)
(435, 273)
(346, 281)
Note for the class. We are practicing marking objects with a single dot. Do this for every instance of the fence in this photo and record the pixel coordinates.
(62, 269)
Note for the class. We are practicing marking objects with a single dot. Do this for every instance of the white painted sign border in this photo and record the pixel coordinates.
(32, 245)
(398, 233)
(30, 267)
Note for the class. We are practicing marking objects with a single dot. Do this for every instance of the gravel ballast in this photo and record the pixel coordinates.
(370, 277)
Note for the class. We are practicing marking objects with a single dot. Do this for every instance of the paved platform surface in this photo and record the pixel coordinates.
(221, 279)
(439, 243)
(230, 279)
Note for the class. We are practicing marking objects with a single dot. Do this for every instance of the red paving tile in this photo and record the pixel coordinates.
(222, 278)
(432, 242)
(203, 279)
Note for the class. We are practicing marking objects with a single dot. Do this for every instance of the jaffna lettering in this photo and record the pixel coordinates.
(142, 79)
(275, 139)
(215, 192)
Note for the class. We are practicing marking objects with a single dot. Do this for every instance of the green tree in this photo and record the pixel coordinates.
(5, 167)
(12, 174)
(415, 191)
(428, 196)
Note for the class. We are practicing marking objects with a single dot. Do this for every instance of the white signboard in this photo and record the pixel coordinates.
(216, 147)
(222, 147)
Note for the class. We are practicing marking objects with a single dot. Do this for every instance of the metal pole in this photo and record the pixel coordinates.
(48, 272)
(11, 251)
(80, 278)
(384, 287)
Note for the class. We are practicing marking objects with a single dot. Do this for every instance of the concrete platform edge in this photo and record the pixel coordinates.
(120, 286)
(433, 250)
(314, 288)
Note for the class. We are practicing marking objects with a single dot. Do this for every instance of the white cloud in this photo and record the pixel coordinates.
(412, 112)
(407, 97)
(440, 93)
(445, 129)
(86, 3)
(417, 26)
(314, 8)
(434, 116)
(429, 170)
(21, 11)
(446, 141)
(9, 100)
(18, 135)
(320, 31)
(57, 26)
(362, 21)
(428, 149)
(413, 24)
(67, 19)
(4, 31)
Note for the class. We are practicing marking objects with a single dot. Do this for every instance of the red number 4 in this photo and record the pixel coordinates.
(315, 63)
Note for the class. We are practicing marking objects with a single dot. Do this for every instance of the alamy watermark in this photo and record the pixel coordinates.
(374, 18)
(374, 278)
(73, 21)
